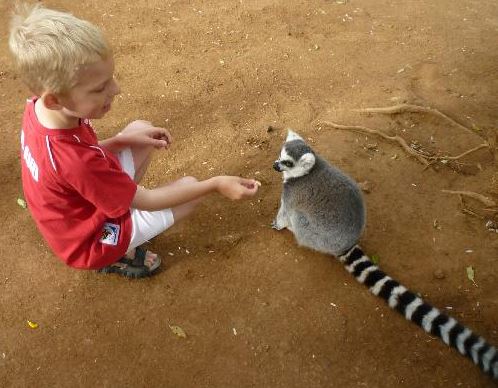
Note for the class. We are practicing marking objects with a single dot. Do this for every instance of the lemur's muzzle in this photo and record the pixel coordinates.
(276, 166)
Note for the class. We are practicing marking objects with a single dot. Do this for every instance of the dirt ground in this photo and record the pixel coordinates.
(259, 311)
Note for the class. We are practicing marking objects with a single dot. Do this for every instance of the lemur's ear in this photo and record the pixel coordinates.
(291, 135)
(307, 160)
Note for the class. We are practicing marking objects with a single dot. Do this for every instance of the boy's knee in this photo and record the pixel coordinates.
(135, 126)
(189, 179)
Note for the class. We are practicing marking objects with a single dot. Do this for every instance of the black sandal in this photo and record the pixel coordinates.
(133, 268)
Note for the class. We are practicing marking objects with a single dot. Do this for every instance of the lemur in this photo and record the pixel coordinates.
(325, 211)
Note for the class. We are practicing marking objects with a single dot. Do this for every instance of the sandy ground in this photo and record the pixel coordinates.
(259, 311)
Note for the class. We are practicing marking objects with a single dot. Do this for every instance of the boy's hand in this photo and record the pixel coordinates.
(142, 132)
(234, 187)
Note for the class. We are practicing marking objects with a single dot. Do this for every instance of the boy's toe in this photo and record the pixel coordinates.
(152, 260)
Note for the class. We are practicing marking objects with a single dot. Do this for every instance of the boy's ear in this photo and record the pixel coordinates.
(51, 101)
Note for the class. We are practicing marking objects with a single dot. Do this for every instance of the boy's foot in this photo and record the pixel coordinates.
(139, 263)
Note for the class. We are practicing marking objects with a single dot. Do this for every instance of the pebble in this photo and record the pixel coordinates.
(439, 274)
(366, 186)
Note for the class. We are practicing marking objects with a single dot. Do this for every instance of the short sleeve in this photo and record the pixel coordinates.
(95, 175)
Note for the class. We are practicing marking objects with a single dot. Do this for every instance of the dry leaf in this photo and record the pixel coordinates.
(375, 259)
(178, 331)
(470, 274)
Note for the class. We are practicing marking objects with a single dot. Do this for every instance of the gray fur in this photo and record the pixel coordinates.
(297, 148)
(325, 211)
(323, 208)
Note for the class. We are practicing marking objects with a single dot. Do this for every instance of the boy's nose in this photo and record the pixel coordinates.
(115, 89)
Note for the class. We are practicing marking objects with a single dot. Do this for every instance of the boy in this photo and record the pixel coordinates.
(83, 194)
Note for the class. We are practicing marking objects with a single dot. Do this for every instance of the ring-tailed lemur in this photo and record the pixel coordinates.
(324, 209)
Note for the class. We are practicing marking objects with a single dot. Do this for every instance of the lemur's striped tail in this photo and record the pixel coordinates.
(416, 310)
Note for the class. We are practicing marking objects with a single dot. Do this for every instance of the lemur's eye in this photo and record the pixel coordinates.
(287, 163)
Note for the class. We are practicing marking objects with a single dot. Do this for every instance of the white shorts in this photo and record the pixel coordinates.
(145, 224)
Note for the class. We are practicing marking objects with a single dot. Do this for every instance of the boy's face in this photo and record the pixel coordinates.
(92, 96)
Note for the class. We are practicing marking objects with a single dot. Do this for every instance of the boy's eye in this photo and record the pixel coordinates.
(100, 88)
(287, 163)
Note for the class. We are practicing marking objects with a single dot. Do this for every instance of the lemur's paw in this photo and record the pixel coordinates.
(276, 226)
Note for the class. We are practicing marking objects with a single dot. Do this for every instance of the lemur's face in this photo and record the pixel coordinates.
(296, 157)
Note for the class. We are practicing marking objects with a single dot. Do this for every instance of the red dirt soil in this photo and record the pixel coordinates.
(259, 311)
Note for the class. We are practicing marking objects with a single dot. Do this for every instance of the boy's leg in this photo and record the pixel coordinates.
(183, 211)
(149, 224)
(141, 157)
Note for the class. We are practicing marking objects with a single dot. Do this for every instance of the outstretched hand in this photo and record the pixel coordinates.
(235, 188)
(141, 132)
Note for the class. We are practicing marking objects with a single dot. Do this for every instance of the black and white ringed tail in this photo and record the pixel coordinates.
(414, 309)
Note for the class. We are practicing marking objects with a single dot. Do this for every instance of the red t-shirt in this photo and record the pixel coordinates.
(76, 192)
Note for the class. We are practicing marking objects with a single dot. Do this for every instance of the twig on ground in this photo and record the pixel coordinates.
(479, 197)
(493, 143)
(477, 148)
(471, 213)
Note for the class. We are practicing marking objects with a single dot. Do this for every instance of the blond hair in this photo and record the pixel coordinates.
(48, 47)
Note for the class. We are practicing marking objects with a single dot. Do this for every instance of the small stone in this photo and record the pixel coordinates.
(492, 226)
(439, 274)
(366, 186)
(232, 239)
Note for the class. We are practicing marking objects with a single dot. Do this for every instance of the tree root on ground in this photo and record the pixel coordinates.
(410, 108)
(427, 160)
(479, 197)
(492, 206)
(424, 159)
(421, 158)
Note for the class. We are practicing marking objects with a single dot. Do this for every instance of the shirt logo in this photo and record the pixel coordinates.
(28, 159)
(110, 234)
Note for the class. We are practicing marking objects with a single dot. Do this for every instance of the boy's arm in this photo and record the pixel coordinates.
(138, 133)
(170, 196)
(154, 137)
(113, 144)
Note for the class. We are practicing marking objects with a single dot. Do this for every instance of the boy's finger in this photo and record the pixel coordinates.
(250, 191)
(158, 143)
(164, 134)
(167, 134)
(251, 183)
(247, 182)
